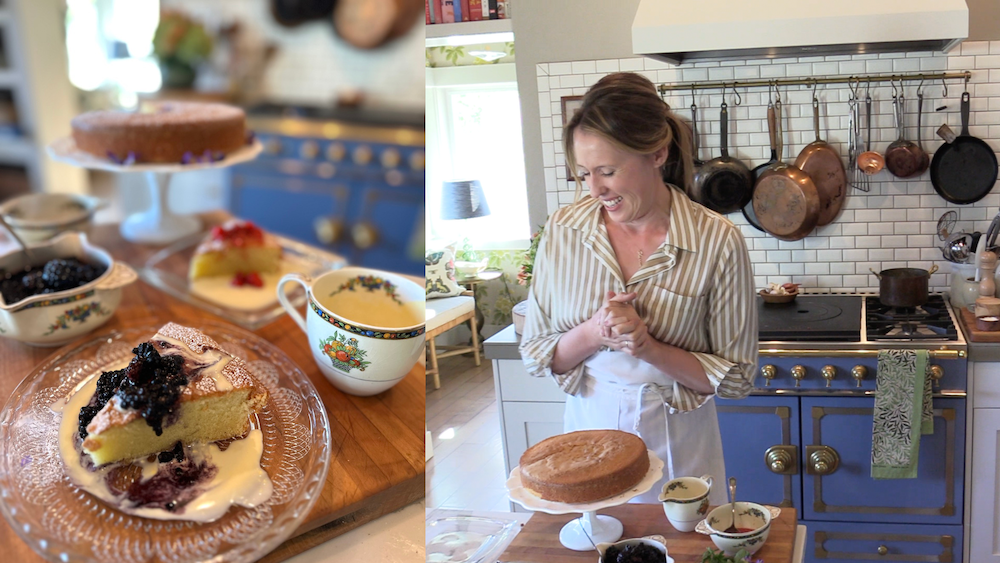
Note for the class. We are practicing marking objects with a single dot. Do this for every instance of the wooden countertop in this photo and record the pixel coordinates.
(538, 540)
(377, 454)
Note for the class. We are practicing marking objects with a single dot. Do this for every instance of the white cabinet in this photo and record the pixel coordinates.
(983, 524)
(531, 409)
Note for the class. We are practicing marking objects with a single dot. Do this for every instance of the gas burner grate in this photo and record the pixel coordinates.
(931, 321)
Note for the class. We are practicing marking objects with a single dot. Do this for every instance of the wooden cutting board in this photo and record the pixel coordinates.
(968, 320)
(377, 454)
(538, 540)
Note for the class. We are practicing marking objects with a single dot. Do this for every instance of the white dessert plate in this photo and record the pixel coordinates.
(62, 522)
(248, 306)
(519, 494)
(65, 150)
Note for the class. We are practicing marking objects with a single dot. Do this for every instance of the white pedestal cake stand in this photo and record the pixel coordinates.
(157, 224)
(581, 534)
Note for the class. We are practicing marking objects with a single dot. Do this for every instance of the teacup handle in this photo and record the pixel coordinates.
(707, 479)
(305, 282)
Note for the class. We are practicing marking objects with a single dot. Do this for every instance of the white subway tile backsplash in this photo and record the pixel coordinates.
(560, 68)
(630, 65)
(895, 223)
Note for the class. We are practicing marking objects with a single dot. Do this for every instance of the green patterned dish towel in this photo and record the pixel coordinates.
(903, 412)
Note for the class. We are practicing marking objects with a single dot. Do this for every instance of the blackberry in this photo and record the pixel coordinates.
(61, 274)
(176, 453)
(635, 553)
(32, 282)
(107, 384)
(152, 386)
(12, 290)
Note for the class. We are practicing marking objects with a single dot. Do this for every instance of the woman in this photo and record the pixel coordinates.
(642, 302)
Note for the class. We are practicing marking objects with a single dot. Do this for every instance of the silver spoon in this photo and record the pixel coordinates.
(24, 247)
(732, 529)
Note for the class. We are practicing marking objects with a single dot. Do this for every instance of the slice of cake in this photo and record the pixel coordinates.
(237, 248)
(180, 387)
(584, 466)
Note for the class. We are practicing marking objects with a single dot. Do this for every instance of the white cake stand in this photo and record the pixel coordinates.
(581, 534)
(157, 224)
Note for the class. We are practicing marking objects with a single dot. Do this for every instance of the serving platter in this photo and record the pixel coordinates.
(61, 522)
(167, 270)
(582, 533)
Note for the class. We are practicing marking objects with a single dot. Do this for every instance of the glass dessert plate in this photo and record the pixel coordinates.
(63, 523)
(168, 270)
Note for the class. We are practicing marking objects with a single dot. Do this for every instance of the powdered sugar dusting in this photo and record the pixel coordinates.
(194, 339)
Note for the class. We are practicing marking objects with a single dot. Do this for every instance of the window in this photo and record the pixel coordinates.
(474, 133)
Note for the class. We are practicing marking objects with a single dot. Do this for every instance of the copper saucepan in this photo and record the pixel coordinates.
(903, 287)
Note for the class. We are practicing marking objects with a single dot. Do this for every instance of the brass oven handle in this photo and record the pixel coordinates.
(798, 374)
(859, 372)
(937, 372)
(829, 373)
(822, 460)
(780, 459)
(849, 353)
(768, 372)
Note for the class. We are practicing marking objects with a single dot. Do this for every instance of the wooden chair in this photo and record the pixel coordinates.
(448, 313)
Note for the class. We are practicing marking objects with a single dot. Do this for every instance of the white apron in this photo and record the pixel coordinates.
(616, 394)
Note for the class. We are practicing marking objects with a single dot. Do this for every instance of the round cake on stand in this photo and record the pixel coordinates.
(157, 224)
(582, 534)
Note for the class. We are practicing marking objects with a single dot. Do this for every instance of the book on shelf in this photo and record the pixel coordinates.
(447, 11)
(503, 9)
(457, 5)
(428, 12)
(475, 10)
(492, 6)
(466, 16)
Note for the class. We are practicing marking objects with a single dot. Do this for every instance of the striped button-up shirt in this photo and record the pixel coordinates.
(696, 292)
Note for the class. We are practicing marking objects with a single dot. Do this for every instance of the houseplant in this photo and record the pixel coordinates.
(179, 45)
(524, 276)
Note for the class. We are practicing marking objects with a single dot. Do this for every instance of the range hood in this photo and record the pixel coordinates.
(678, 32)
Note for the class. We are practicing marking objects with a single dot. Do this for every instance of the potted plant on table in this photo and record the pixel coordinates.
(180, 44)
(524, 276)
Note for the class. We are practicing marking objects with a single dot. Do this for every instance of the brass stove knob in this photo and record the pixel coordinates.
(417, 160)
(883, 550)
(390, 158)
(798, 374)
(780, 459)
(768, 372)
(309, 150)
(328, 230)
(823, 460)
(336, 152)
(937, 372)
(859, 372)
(829, 373)
(362, 155)
(364, 235)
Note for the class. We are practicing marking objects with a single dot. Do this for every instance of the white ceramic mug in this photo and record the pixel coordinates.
(357, 357)
(685, 501)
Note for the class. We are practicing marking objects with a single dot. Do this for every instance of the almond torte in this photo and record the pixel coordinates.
(584, 466)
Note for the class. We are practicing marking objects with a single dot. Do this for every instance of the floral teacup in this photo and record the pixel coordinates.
(365, 327)
(685, 501)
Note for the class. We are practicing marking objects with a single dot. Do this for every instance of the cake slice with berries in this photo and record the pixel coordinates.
(239, 249)
(180, 387)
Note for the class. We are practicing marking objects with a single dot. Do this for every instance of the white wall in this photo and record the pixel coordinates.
(892, 225)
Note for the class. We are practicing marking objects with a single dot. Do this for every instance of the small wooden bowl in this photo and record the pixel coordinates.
(772, 298)
(988, 323)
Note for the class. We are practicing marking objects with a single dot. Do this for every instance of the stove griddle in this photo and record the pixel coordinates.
(835, 318)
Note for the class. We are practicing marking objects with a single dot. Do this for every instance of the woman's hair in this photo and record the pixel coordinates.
(625, 109)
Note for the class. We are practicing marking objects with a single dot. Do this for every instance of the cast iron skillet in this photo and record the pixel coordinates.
(723, 184)
(964, 170)
(760, 168)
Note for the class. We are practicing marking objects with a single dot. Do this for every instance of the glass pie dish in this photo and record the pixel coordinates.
(467, 539)
(168, 270)
(63, 523)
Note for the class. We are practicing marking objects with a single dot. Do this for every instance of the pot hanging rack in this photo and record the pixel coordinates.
(812, 82)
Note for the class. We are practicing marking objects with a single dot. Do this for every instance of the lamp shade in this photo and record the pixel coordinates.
(463, 200)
